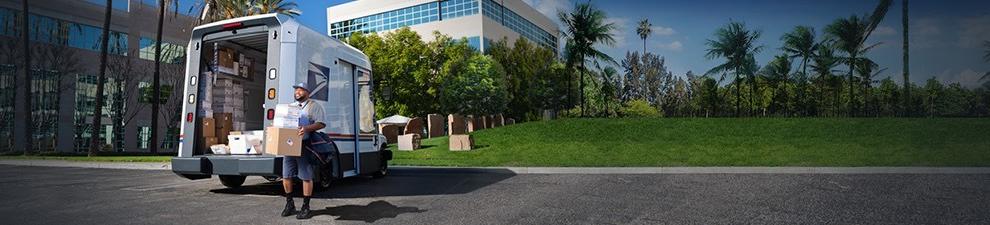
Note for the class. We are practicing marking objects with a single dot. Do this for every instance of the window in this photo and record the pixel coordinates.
(171, 53)
(474, 42)
(520, 25)
(144, 136)
(367, 109)
(60, 32)
(118, 5)
(419, 14)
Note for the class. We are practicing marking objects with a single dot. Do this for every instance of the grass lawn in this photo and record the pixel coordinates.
(720, 142)
(95, 158)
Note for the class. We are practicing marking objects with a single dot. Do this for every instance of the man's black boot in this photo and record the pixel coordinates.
(290, 207)
(304, 212)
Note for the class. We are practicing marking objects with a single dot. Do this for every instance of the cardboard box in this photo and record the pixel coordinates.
(283, 141)
(226, 59)
(435, 124)
(225, 124)
(287, 116)
(461, 142)
(207, 127)
(206, 142)
(456, 124)
(409, 142)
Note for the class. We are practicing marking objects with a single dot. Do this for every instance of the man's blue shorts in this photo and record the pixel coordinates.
(296, 166)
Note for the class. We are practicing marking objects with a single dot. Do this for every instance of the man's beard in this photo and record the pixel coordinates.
(301, 98)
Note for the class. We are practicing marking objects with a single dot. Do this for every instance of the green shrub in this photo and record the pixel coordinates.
(639, 108)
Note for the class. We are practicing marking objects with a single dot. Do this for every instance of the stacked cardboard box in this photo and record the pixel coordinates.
(207, 134)
(225, 61)
(224, 124)
(228, 97)
(282, 138)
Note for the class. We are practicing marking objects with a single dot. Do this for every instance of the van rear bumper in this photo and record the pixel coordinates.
(198, 167)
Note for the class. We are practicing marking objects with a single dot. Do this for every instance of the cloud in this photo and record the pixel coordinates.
(974, 31)
(673, 46)
(549, 7)
(663, 31)
(968, 78)
(621, 25)
(884, 31)
(926, 27)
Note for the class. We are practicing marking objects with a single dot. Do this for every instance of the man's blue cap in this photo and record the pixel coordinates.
(301, 85)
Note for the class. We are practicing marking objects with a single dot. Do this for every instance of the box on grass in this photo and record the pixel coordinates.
(461, 142)
(283, 141)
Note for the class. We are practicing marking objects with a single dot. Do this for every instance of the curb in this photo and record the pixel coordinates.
(561, 170)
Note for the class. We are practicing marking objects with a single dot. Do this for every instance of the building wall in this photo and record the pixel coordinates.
(135, 19)
(477, 25)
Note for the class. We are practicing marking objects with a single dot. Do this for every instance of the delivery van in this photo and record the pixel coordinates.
(239, 70)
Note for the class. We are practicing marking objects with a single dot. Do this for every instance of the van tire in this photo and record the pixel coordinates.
(383, 166)
(232, 181)
(322, 177)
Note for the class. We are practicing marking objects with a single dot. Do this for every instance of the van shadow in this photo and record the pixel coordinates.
(370, 213)
(400, 182)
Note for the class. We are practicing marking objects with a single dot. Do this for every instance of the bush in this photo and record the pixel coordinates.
(639, 108)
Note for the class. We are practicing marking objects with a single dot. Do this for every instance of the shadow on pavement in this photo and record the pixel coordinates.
(400, 182)
(370, 213)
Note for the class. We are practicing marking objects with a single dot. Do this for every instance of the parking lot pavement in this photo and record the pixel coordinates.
(59, 195)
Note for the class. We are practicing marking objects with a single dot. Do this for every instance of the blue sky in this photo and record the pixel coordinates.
(946, 36)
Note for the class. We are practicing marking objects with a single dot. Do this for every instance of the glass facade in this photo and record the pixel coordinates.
(60, 32)
(423, 13)
(458, 8)
(171, 53)
(7, 73)
(186, 7)
(517, 23)
(118, 5)
(144, 136)
(413, 15)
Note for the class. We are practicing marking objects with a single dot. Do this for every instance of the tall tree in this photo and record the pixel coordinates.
(737, 45)
(906, 63)
(156, 79)
(825, 63)
(776, 74)
(800, 43)
(276, 6)
(645, 29)
(25, 87)
(94, 140)
(986, 58)
(851, 35)
(586, 27)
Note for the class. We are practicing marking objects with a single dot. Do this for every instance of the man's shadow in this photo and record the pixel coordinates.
(370, 213)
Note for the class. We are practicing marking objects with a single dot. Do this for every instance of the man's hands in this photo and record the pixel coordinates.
(302, 131)
(311, 128)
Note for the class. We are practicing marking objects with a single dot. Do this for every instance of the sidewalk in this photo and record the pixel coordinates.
(567, 170)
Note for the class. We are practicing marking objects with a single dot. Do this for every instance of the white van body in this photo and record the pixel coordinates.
(285, 53)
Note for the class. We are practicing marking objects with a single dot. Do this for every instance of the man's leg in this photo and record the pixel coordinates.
(306, 175)
(289, 170)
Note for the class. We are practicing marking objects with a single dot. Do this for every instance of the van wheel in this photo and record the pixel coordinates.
(232, 181)
(382, 170)
(322, 179)
(383, 167)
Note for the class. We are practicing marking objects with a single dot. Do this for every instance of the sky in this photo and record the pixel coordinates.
(946, 37)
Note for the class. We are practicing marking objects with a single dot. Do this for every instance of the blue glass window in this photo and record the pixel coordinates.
(520, 25)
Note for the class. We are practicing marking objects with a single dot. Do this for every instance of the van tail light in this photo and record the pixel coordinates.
(232, 26)
(271, 114)
(271, 93)
(189, 117)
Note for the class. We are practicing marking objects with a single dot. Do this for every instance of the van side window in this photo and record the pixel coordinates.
(367, 107)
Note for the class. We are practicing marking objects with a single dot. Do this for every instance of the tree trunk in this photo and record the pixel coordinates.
(584, 107)
(26, 82)
(852, 87)
(94, 140)
(156, 86)
(907, 68)
(738, 94)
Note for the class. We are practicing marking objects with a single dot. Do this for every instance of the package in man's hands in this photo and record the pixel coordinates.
(287, 116)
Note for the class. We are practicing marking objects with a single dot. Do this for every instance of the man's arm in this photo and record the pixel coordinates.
(317, 116)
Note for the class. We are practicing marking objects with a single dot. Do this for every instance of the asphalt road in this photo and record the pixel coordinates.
(50, 195)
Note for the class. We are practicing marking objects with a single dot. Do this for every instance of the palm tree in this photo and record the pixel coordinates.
(907, 68)
(276, 6)
(645, 29)
(986, 58)
(586, 27)
(736, 44)
(800, 43)
(867, 70)
(825, 63)
(851, 35)
(216, 10)
(776, 73)
(94, 140)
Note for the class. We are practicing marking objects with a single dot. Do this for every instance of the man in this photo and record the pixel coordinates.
(311, 119)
